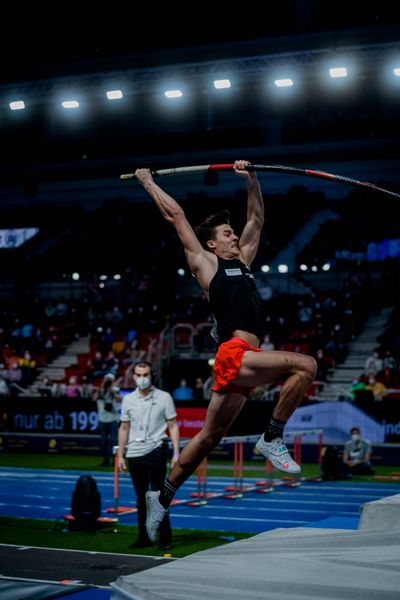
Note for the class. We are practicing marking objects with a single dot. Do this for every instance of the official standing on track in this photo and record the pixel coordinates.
(146, 414)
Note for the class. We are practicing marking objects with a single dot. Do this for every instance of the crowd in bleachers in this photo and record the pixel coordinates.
(321, 323)
(153, 313)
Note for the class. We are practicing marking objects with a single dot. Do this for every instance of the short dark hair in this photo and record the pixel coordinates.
(145, 363)
(355, 429)
(206, 230)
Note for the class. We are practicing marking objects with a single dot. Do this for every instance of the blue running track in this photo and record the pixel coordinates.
(46, 494)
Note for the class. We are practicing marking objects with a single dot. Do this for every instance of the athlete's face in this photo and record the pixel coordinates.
(225, 242)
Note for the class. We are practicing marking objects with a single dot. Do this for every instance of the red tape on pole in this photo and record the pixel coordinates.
(269, 168)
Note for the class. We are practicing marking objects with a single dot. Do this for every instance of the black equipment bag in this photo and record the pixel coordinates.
(86, 503)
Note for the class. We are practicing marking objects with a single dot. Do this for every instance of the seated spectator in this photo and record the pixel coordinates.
(324, 365)
(198, 393)
(357, 385)
(28, 368)
(4, 391)
(47, 389)
(86, 388)
(134, 354)
(99, 369)
(118, 346)
(111, 363)
(390, 368)
(378, 388)
(266, 343)
(72, 389)
(183, 391)
(13, 377)
(373, 364)
(357, 454)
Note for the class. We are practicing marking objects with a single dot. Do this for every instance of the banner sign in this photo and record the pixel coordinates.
(12, 238)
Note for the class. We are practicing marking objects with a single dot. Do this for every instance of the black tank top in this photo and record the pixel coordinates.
(234, 300)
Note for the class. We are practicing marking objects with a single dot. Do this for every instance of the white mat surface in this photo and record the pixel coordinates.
(283, 564)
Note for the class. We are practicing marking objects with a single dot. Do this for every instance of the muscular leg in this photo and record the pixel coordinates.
(260, 368)
(222, 411)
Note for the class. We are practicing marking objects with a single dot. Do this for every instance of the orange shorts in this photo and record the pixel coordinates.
(227, 364)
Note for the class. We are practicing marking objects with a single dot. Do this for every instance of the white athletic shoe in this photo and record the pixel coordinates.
(278, 454)
(155, 514)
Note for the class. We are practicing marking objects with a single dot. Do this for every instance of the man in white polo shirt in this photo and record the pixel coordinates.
(146, 413)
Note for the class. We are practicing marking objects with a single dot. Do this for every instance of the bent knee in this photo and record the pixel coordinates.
(208, 440)
(310, 368)
(306, 368)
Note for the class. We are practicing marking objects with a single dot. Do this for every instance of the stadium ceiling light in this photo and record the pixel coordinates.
(17, 105)
(283, 268)
(336, 72)
(173, 94)
(396, 71)
(70, 104)
(283, 82)
(114, 94)
(221, 84)
(265, 268)
(303, 267)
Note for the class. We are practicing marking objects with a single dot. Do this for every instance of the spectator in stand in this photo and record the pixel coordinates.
(390, 368)
(61, 308)
(46, 387)
(72, 389)
(134, 353)
(13, 360)
(98, 366)
(378, 388)
(86, 388)
(111, 363)
(4, 391)
(27, 330)
(266, 343)
(50, 310)
(357, 454)
(13, 377)
(183, 391)
(373, 364)
(304, 314)
(198, 392)
(357, 385)
(28, 368)
(324, 365)
(118, 347)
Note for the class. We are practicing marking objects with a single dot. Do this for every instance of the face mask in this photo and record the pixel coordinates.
(355, 437)
(143, 382)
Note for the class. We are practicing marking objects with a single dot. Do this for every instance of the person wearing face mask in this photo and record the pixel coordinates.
(146, 414)
(357, 454)
(108, 400)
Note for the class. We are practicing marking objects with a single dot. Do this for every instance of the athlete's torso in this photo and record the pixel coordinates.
(235, 302)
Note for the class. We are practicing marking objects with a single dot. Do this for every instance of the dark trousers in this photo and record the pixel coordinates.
(148, 473)
(108, 438)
